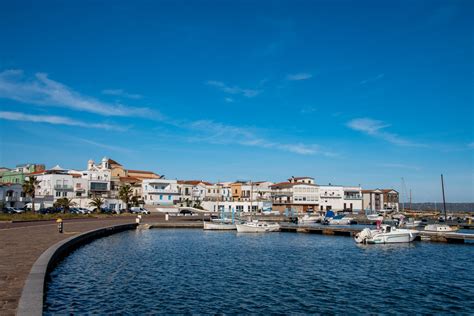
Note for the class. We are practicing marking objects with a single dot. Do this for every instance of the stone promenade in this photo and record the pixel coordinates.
(22, 243)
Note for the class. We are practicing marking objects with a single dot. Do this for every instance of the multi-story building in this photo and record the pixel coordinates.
(19, 174)
(160, 191)
(380, 199)
(340, 198)
(298, 195)
(11, 195)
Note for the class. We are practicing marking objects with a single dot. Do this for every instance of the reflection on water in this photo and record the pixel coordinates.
(193, 271)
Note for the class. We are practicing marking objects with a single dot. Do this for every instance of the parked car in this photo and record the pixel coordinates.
(12, 210)
(139, 210)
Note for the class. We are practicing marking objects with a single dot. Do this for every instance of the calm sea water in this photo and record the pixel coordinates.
(192, 271)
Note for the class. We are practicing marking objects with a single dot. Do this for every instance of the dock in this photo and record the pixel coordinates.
(348, 231)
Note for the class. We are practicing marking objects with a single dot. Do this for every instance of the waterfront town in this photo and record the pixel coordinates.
(154, 192)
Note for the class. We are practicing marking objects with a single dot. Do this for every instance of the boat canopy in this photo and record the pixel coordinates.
(329, 213)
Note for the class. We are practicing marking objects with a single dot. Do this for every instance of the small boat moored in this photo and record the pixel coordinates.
(386, 235)
(257, 227)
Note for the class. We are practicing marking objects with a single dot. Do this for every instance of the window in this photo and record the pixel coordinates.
(169, 197)
(64, 194)
(161, 197)
(58, 194)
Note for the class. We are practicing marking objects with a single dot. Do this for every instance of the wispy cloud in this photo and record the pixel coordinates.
(56, 120)
(372, 79)
(399, 166)
(375, 128)
(40, 90)
(299, 76)
(121, 93)
(218, 133)
(249, 93)
(104, 146)
(229, 100)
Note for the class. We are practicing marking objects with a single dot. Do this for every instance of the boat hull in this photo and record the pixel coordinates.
(246, 228)
(219, 226)
(392, 238)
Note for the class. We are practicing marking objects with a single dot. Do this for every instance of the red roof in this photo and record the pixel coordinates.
(193, 182)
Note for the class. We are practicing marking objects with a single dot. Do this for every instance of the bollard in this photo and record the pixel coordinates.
(60, 225)
(167, 217)
(138, 219)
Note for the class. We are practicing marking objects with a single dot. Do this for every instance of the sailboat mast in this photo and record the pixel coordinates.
(251, 194)
(403, 199)
(410, 199)
(444, 200)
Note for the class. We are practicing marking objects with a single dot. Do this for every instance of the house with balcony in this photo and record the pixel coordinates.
(20, 172)
(296, 195)
(11, 195)
(160, 191)
(380, 199)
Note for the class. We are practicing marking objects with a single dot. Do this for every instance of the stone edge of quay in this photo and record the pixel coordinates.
(32, 296)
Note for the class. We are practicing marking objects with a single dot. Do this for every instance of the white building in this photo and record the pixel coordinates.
(99, 178)
(380, 199)
(298, 195)
(340, 198)
(237, 206)
(11, 195)
(160, 191)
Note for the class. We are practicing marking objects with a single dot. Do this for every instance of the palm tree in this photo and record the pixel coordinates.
(125, 194)
(64, 203)
(135, 200)
(97, 203)
(29, 187)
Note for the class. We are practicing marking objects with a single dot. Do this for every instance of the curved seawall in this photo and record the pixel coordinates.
(32, 297)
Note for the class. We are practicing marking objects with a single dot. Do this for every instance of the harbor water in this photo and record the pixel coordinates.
(173, 271)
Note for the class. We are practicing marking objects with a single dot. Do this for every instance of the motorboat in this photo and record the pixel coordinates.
(310, 219)
(374, 217)
(411, 223)
(257, 227)
(219, 226)
(386, 235)
(339, 220)
(440, 228)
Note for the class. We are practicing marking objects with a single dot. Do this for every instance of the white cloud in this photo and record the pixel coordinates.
(299, 76)
(229, 100)
(56, 120)
(121, 93)
(218, 133)
(249, 93)
(40, 90)
(308, 110)
(376, 128)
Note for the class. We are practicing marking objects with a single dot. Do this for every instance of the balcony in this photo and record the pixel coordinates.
(352, 197)
(63, 187)
(161, 191)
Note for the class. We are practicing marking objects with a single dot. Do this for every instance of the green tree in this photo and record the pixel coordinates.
(97, 203)
(29, 187)
(136, 201)
(65, 204)
(125, 194)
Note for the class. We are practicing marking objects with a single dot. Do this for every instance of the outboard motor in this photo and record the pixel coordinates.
(361, 238)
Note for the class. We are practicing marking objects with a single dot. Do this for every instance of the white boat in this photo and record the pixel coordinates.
(386, 235)
(310, 219)
(439, 228)
(257, 227)
(219, 226)
(374, 217)
(340, 220)
(411, 223)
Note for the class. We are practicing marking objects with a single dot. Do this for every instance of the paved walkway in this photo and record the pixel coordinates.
(22, 243)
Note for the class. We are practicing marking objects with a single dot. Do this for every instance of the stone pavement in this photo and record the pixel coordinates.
(22, 243)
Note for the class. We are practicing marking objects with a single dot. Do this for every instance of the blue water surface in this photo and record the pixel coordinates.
(173, 271)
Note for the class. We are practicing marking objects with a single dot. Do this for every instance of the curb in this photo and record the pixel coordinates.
(32, 296)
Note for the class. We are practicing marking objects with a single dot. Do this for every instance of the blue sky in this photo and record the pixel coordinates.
(224, 90)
